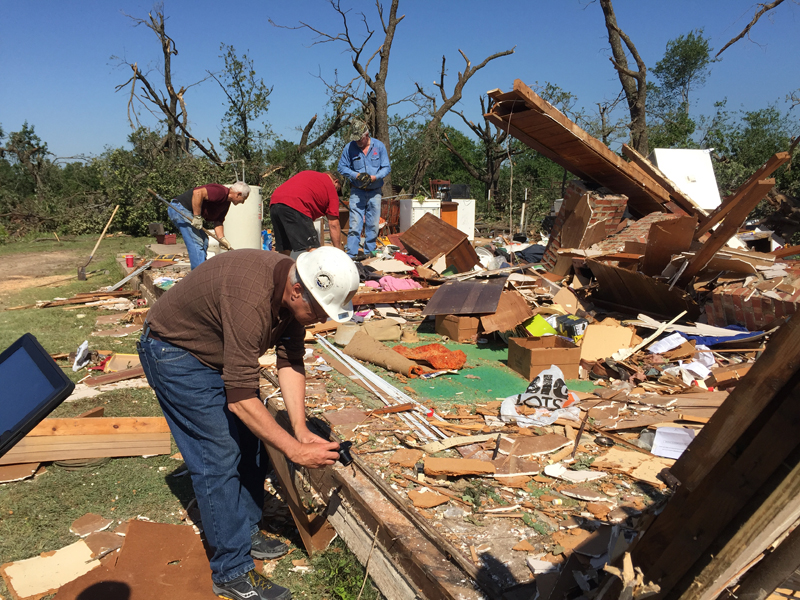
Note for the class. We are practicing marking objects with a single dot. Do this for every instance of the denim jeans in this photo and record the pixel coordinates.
(226, 461)
(196, 240)
(365, 211)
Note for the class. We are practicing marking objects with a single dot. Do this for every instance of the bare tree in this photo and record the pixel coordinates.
(492, 139)
(746, 31)
(634, 83)
(172, 104)
(432, 129)
(368, 90)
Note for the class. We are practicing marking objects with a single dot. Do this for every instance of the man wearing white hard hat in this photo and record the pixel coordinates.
(200, 348)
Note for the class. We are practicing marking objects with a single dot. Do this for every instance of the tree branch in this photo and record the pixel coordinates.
(746, 31)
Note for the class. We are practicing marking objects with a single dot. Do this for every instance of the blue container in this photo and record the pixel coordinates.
(266, 240)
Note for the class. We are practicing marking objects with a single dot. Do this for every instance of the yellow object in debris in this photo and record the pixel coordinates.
(539, 327)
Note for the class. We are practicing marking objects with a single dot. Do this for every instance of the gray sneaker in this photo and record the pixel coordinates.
(264, 548)
(251, 586)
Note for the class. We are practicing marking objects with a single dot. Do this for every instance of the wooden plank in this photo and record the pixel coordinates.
(99, 426)
(677, 195)
(752, 394)
(775, 161)
(66, 447)
(391, 297)
(114, 377)
(695, 521)
(733, 220)
(786, 252)
(512, 309)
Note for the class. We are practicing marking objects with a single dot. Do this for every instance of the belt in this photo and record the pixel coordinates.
(150, 334)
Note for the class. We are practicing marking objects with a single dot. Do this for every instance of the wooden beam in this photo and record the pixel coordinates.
(678, 196)
(107, 378)
(98, 437)
(786, 251)
(775, 161)
(733, 220)
(391, 297)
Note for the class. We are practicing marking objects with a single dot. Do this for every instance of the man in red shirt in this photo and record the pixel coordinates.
(209, 202)
(297, 203)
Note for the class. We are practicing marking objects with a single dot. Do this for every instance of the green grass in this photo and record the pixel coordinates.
(35, 515)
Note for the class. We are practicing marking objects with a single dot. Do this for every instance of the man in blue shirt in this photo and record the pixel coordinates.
(365, 163)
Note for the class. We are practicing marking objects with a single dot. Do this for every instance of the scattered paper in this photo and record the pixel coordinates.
(670, 442)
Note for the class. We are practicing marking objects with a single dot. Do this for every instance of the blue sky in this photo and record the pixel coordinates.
(57, 72)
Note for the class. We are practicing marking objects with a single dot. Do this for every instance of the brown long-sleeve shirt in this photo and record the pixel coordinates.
(227, 312)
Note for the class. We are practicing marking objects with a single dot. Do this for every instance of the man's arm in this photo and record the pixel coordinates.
(344, 165)
(199, 195)
(336, 231)
(313, 452)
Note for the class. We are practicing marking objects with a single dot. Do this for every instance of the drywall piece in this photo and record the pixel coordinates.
(691, 171)
(584, 493)
(560, 471)
(452, 442)
(82, 390)
(726, 376)
(536, 565)
(156, 561)
(46, 573)
(514, 466)
(599, 542)
(512, 310)
(601, 341)
(388, 265)
(406, 457)
(456, 467)
(525, 546)
(9, 473)
(345, 416)
(538, 445)
(425, 498)
(89, 523)
(635, 464)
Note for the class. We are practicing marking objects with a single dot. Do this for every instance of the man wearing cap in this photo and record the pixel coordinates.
(365, 163)
(210, 202)
(199, 350)
(297, 203)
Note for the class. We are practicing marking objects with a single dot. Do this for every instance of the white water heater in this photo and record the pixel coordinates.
(243, 222)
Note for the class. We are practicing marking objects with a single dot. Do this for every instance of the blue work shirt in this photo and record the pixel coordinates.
(375, 162)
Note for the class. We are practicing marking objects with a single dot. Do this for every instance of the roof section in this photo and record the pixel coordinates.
(540, 125)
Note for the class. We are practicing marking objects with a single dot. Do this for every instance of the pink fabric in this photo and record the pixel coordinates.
(372, 284)
(393, 284)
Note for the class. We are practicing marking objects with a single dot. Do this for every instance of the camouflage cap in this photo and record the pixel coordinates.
(357, 129)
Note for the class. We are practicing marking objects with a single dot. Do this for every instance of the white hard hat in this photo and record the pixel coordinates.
(332, 278)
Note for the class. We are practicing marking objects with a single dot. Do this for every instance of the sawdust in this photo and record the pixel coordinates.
(29, 269)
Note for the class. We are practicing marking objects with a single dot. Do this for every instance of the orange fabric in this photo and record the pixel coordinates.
(436, 355)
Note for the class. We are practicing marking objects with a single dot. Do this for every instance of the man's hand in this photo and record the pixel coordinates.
(363, 179)
(224, 244)
(197, 221)
(315, 454)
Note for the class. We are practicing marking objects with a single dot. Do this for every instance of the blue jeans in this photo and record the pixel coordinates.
(365, 211)
(225, 459)
(196, 240)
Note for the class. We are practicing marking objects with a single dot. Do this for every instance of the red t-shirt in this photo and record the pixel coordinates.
(309, 192)
(215, 208)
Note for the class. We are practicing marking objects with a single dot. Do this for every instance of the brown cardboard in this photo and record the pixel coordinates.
(531, 356)
(458, 328)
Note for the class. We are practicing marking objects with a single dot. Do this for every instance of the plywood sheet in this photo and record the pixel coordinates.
(478, 296)
(601, 341)
(512, 309)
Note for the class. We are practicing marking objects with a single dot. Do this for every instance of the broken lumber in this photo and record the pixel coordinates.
(391, 297)
(99, 437)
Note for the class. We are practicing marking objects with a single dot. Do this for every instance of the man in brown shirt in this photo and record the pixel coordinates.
(200, 350)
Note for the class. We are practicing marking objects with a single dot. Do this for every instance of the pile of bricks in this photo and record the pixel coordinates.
(736, 305)
(636, 231)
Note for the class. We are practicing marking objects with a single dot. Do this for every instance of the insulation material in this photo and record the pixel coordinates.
(436, 355)
(363, 347)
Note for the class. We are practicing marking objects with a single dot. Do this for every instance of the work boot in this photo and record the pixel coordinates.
(264, 548)
(251, 586)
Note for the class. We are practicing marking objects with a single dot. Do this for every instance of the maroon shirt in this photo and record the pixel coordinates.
(309, 192)
(214, 208)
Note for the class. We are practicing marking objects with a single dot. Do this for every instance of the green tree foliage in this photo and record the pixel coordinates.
(684, 66)
(247, 103)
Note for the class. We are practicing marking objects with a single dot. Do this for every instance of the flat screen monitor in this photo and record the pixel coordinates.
(31, 386)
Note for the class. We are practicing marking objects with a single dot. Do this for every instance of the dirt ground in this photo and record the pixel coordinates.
(30, 269)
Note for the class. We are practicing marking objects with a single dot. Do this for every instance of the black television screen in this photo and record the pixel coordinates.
(31, 386)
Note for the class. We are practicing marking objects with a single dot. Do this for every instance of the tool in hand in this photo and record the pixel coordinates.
(82, 269)
(209, 233)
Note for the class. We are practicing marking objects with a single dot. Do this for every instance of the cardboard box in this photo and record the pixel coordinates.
(458, 328)
(531, 356)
